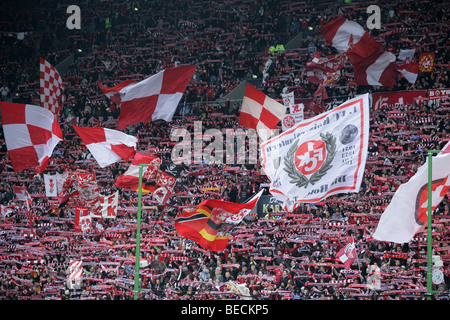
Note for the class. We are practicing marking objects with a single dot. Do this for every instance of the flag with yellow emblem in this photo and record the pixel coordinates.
(209, 223)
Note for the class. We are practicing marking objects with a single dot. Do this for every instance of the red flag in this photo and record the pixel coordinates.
(372, 65)
(51, 88)
(426, 62)
(83, 221)
(31, 134)
(260, 112)
(317, 103)
(155, 175)
(151, 99)
(22, 194)
(325, 70)
(348, 253)
(208, 224)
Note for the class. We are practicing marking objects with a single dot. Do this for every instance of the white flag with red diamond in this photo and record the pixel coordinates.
(321, 156)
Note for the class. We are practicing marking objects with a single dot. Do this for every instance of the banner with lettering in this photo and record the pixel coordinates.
(392, 100)
(109, 205)
(321, 156)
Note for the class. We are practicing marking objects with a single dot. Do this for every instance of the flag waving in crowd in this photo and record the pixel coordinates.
(321, 156)
(155, 174)
(347, 254)
(260, 112)
(106, 145)
(31, 134)
(371, 63)
(153, 98)
(207, 224)
(51, 88)
(407, 212)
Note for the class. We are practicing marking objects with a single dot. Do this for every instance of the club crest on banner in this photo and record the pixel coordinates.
(310, 161)
(439, 190)
(320, 156)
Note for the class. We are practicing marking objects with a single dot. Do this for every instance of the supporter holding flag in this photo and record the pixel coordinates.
(106, 145)
(153, 98)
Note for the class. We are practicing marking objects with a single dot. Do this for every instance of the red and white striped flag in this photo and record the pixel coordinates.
(107, 146)
(31, 134)
(51, 88)
(372, 65)
(75, 269)
(260, 112)
(154, 98)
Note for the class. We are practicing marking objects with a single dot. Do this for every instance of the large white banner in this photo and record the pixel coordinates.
(407, 213)
(321, 156)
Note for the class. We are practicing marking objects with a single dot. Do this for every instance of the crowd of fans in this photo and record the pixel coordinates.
(277, 255)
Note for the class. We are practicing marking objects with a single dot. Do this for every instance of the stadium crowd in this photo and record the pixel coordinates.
(278, 255)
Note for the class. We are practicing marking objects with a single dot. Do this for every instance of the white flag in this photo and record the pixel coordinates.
(321, 156)
(51, 185)
(408, 211)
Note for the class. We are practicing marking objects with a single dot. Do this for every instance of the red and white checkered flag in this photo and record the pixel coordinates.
(51, 88)
(260, 112)
(31, 134)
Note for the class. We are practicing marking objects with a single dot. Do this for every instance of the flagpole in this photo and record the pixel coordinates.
(138, 236)
(429, 232)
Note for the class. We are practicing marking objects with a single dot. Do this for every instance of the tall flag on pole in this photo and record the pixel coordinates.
(209, 222)
(321, 156)
(260, 112)
(155, 175)
(107, 146)
(153, 98)
(51, 88)
(407, 213)
(31, 134)
(372, 65)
